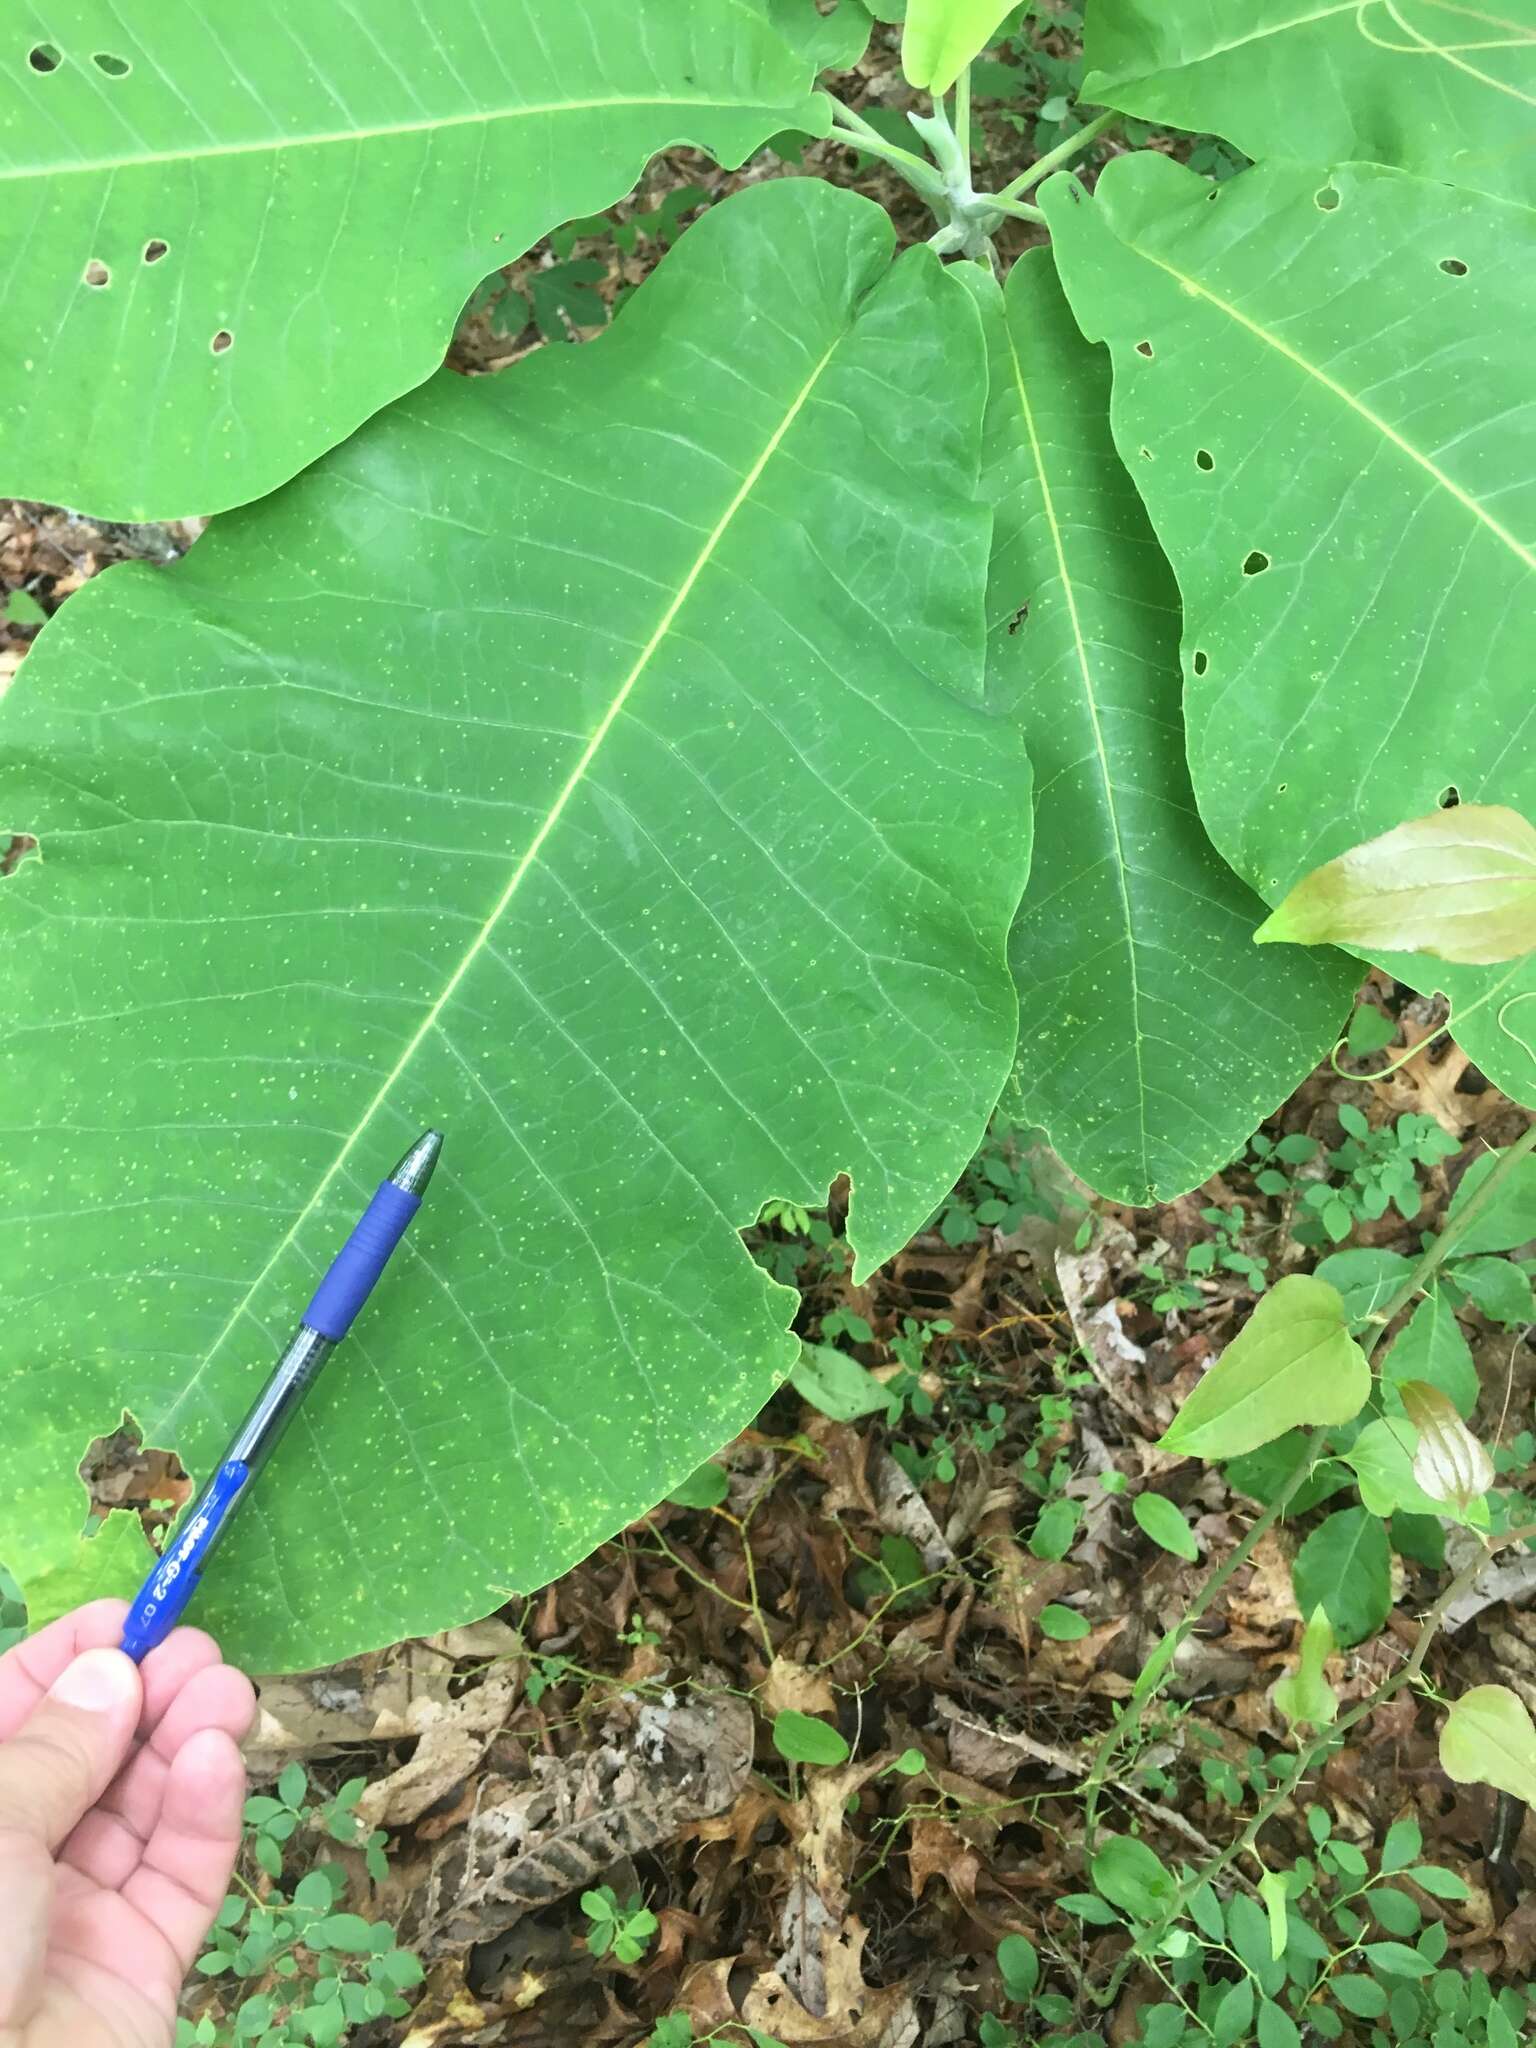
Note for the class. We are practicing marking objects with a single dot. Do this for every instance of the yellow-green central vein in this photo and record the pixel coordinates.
(1086, 670)
(535, 846)
(1357, 406)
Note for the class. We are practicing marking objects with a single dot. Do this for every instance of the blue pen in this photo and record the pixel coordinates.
(354, 1271)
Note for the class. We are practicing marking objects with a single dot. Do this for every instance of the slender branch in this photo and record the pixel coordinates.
(1063, 153)
(852, 128)
(963, 112)
(1162, 1657)
(1305, 1760)
(1016, 210)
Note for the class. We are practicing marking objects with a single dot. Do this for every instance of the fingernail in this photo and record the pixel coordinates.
(101, 1681)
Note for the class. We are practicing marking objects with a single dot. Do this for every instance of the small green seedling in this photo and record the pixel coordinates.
(622, 1931)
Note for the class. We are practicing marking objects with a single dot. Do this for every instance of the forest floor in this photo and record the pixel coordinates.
(888, 1572)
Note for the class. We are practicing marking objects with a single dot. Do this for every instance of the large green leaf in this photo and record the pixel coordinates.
(1332, 432)
(1345, 1567)
(323, 187)
(1154, 1035)
(1429, 85)
(549, 764)
(942, 36)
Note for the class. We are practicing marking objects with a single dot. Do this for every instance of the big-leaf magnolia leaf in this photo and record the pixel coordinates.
(232, 233)
(1152, 1036)
(1345, 1567)
(1429, 85)
(1293, 1361)
(1323, 393)
(1488, 1739)
(1460, 884)
(940, 37)
(575, 759)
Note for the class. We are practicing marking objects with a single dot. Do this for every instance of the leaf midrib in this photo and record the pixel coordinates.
(329, 138)
(1362, 411)
(1069, 592)
(482, 939)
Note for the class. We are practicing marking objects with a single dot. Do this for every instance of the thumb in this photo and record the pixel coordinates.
(68, 1750)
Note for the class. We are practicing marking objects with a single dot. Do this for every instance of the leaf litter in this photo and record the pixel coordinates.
(883, 1576)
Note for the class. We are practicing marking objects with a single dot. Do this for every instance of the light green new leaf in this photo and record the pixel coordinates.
(1277, 1899)
(1430, 85)
(1508, 1220)
(1323, 394)
(1459, 884)
(1430, 1347)
(1384, 1458)
(942, 36)
(802, 1739)
(1133, 1877)
(1305, 1695)
(544, 764)
(838, 1386)
(1345, 1567)
(1293, 1361)
(1381, 1458)
(233, 233)
(1488, 1739)
(1153, 1038)
(1163, 1521)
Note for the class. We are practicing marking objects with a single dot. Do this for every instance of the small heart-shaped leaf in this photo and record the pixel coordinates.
(1488, 1739)
(1294, 1361)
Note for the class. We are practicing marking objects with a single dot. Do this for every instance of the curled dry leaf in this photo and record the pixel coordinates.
(1459, 884)
(1450, 1465)
(454, 1734)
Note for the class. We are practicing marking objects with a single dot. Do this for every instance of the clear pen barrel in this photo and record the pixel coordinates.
(273, 1409)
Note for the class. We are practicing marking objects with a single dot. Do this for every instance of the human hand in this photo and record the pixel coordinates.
(121, 1789)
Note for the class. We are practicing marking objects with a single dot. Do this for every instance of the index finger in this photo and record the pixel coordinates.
(27, 1671)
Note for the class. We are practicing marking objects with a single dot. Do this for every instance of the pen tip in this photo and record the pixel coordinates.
(415, 1169)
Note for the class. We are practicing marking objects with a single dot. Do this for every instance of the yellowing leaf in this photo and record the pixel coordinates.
(1488, 1740)
(1450, 1465)
(1293, 1362)
(942, 36)
(1305, 1694)
(1459, 884)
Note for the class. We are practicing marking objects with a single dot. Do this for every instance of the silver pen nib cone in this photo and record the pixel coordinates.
(415, 1169)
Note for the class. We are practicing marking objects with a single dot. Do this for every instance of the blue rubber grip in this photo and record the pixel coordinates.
(357, 1266)
(158, 1605)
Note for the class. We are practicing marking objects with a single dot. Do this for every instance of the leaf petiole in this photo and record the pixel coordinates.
(1063, 153)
